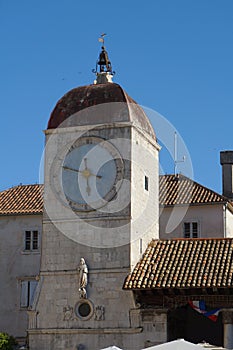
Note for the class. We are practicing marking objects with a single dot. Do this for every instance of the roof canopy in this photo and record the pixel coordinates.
(184, 264)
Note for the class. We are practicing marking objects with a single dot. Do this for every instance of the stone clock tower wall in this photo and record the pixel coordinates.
(144, 192)
(86, 308)
(87, 232)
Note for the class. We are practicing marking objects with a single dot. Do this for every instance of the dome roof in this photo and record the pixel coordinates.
(98, 104)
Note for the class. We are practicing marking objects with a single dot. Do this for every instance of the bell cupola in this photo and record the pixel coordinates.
(103, 70)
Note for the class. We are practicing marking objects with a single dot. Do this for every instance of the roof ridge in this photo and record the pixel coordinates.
(20, 185)
(205, 199)
(192, 239)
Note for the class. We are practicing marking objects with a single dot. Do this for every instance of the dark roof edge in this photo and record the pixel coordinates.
(21, 214)
(224, 199)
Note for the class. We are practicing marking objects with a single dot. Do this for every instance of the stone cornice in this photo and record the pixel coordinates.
(85, 331)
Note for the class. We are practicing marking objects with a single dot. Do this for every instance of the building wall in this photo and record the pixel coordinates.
(104, 238)
(144, 201)
(209, 217)
(16, 265)
(229, 223)
(148, 327)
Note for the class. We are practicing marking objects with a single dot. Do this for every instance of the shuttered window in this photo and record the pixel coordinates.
(28, 288)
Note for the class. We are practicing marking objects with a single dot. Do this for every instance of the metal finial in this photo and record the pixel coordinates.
(103, 62)
(101, 40)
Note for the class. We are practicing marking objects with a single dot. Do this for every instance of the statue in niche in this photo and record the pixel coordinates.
(83, 271)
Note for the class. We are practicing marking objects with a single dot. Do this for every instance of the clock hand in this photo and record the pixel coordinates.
(85, 162)
(86, 172)
(67, 168)
(88, 189)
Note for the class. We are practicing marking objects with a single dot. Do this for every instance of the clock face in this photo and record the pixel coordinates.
(91, 173)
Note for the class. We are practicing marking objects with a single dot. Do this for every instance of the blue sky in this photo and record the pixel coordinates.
(173, 56)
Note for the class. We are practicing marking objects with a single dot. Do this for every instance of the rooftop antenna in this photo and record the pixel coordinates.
(176, 161)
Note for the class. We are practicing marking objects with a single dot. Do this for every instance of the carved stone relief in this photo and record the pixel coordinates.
(99, 313)
(68, 313)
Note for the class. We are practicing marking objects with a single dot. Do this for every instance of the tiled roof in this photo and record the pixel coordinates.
(179, 189)
(174, 190)
(184, 263)
(22, 199)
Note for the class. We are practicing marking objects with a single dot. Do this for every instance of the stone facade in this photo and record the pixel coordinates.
(111, 241)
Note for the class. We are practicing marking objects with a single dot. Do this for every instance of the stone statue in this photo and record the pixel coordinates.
(83, 271)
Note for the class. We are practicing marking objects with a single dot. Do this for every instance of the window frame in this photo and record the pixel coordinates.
(27, 292)
(192, 231)
(31, 241)
(146, 183)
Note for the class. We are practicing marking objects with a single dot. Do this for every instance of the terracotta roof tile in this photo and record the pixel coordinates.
(184, 263)
(28, 199)
(179, 189)
(22, 199)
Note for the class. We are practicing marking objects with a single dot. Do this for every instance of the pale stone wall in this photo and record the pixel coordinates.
(144, 203)
(60, 290)
(229, 223)
(61, 253)
(209, 217)
(108, 240)
(16, 264)
(148, 328)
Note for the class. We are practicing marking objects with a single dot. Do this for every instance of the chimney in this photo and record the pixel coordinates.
(226, 160)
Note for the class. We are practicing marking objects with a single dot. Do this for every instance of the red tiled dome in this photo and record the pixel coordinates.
(98, 104)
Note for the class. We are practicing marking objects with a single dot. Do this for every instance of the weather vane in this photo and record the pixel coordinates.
(101, 39)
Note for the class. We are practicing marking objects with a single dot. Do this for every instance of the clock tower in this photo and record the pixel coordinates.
(100, 212)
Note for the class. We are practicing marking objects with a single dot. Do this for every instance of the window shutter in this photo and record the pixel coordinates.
(186, 230)
(195, 229)
(33, 285)
(24, 294)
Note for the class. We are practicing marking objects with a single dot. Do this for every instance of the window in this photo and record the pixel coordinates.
(28, 288)
(190, 229)
(140, 245)
(31, 240)
(84, 309)
(146, 183)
